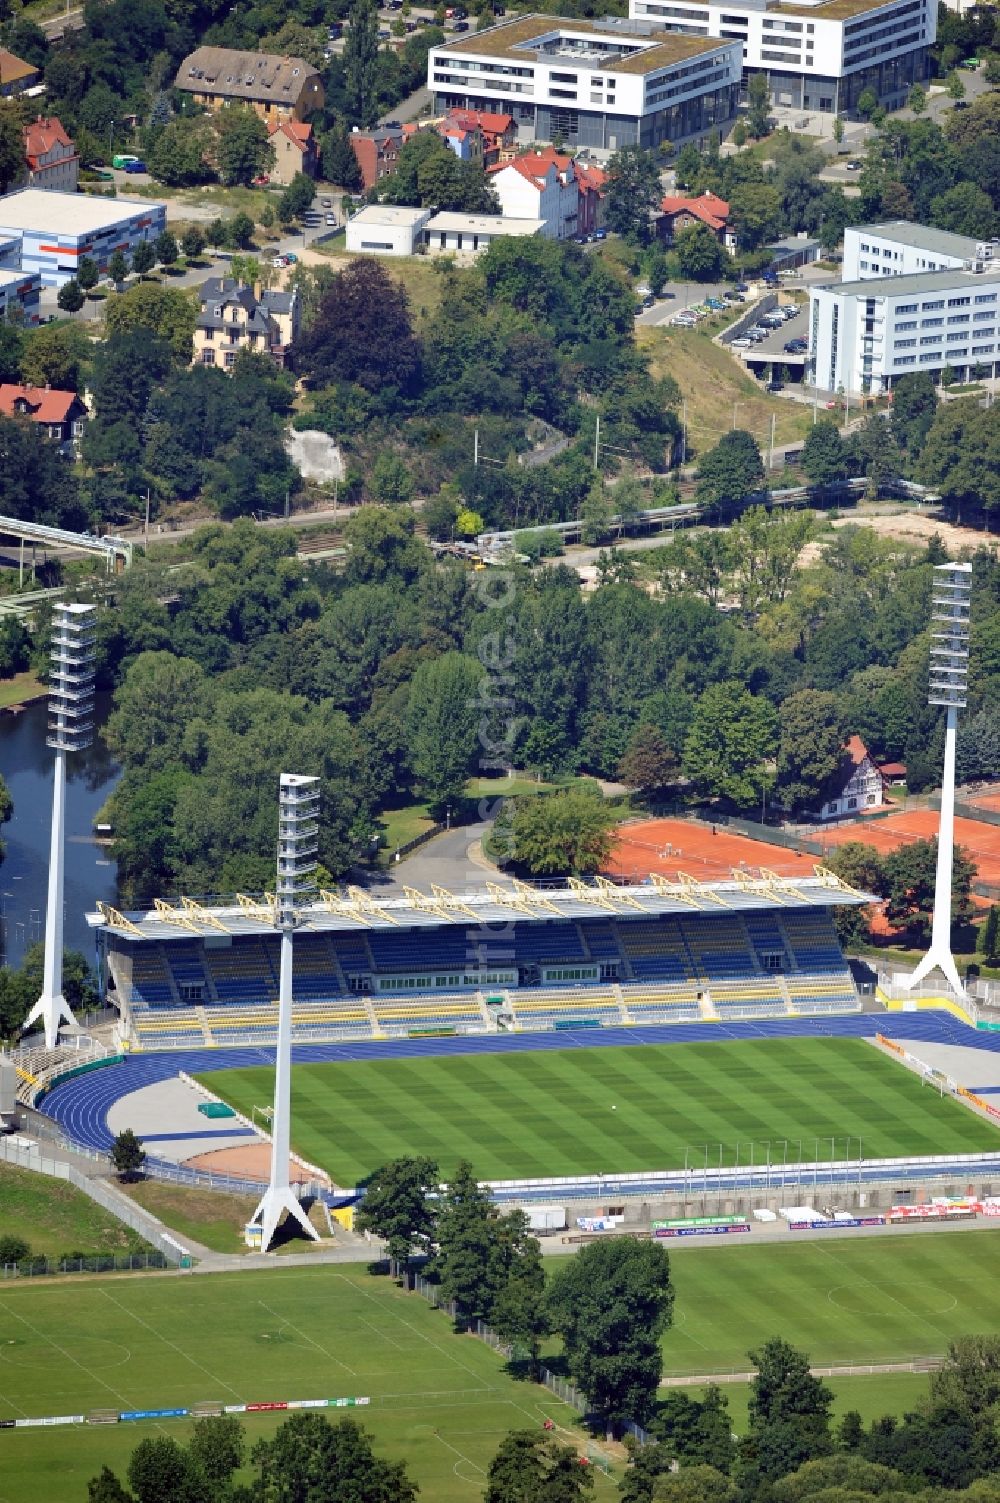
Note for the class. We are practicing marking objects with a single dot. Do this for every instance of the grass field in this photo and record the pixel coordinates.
(440, 1402)
(883, 1393)
(54, 1218)
(579, 1111)
(204, 1216)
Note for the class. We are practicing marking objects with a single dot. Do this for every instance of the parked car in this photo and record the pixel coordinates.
(331, 220)
(261, 181)
(135, 166)
(598, 234)
(775, 386)
(854, 165)
(279, 261)
(742, 344)
(291, 258)
(794, 347)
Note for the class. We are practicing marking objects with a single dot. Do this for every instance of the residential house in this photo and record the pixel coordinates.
(377, 152)
(294, 150)
(16, 75)
(498, 132)
(466, 141)
(678, 212)
(859, 786)
(276, 88)
(234, 317)
(548, 185)
(52, 159)
(60, 413)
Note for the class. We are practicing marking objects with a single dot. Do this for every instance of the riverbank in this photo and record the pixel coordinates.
(20, 690)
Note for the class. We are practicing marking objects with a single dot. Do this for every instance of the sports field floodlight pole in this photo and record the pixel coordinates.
(949, 673)
(71, 729)
(298, 838)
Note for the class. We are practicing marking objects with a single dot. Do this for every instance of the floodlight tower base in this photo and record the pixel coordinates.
(52, 1009)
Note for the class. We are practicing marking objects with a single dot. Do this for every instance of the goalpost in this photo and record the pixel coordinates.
(266, 1114)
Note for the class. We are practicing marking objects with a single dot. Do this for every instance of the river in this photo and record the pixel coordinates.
(26, 766)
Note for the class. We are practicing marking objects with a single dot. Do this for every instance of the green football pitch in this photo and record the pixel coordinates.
(443, 1402)
(528, 1114)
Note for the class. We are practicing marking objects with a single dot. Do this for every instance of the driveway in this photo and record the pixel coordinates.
(453, 859)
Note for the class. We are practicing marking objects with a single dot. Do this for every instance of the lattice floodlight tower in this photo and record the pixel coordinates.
(71, 729)
(949, 674)
(298, 840)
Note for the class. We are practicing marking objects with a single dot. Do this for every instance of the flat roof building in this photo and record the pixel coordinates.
(386, 230)
(20, 296)
(604, 84)
(473, 234)
(57, 230)
(900, 248)
(865, 334)
(816, 54)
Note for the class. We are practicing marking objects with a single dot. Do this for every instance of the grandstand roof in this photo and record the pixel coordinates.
(356, 910)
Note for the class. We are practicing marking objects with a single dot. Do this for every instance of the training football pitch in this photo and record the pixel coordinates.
(442, 1402)
(529, 1114)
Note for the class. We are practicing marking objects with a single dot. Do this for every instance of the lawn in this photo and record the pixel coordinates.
(54, 1218)
(883, 1298)
(19, 689)
(421, 276)
(580, 1111)
(214, 1220)
(711, 381)
(440, 1402)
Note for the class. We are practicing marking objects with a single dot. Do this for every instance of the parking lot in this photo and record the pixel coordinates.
(771, 350)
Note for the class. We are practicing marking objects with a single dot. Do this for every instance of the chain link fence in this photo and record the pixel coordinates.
(39, 1267)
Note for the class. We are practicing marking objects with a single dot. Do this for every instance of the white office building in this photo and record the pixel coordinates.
(816, 54)
(865, 334)
(901, 249)
(604, 84)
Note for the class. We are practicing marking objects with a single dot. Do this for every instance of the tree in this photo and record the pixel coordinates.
(340, 165)
(11, 144)
(181, 152)
(168, 313)
(633, 192)
(697, 1432)
(695, 1484)
(117, 268)
(242, 149)
(569, 832)
(161, 1469)
(699, 254)
(867, 103)
(988, 941)
(955, 86)
(758, 105)
(810, 748)
(843, 1471)
(217, 1447)
(914, 403)
(862, 868)
(611, 1304)
(70, 296)
(961, 455)
(911, 874)
(397, 1209)
(532, 1467)
(964, 210)
(649, 764)
(917, 99)
(106, 1488)
(165, 249)
(143, 258)
(838, 128)
(362, 332)
(789, 1412)
(824, 457)
(519, 1315)
(361, 64)
(443, 719)
(466, 1237)
(310, 1460)
(730, 745)
(969, 1378)
(128, 1157)
(193, 241)
(390, 480)
(87, 274)
(731, 471)
(757, 213)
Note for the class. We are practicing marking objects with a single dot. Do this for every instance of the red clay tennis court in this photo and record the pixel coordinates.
(669, 846)
(980, 841)
(987, 798)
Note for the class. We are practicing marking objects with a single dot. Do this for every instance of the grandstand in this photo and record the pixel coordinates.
(504, 959)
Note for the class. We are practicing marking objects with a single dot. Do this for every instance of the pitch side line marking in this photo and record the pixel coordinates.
(303, 1337)
(167, 1341)
(68, 1356)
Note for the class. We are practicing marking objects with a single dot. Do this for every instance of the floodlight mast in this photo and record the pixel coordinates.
(71, 729)
(298, 838)
(949, 675)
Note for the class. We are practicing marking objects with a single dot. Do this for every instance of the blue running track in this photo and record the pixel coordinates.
(81, 1106)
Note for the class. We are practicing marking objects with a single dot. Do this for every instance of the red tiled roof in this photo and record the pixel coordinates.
(41, 135)
(892, 769)
(709, 208)
(486, 120)
(300, 134)
(856, 750)
(45, 405)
